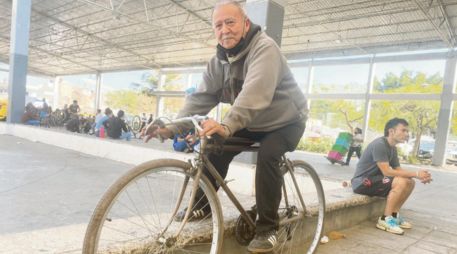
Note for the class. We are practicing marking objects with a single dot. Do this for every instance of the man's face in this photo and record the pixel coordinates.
(229, 25)
(400, 133)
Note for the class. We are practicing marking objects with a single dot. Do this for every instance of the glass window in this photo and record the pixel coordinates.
(77, 87)
(130, 91)
(301, 75)
(39, 88)
(350, 78)
(4, 66)
(409, 77)
(327, 118)
(175, 82)
(3, 84)
(196, 79)
(171, 106)
(422, 118)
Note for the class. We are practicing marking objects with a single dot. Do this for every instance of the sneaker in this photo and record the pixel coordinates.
(264, 242)
(195, 215)
(402, 223)
(389, 225)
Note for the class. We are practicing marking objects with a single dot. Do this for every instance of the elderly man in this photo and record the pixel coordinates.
(249, 72)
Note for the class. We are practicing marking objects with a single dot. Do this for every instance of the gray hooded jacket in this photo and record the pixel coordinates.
(257, 82)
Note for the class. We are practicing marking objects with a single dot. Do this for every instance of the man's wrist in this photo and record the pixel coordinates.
(227, 132)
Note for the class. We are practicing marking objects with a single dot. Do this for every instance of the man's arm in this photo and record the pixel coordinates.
(423, 175)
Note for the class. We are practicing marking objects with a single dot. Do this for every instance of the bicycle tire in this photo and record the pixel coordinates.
(112, 219)
(136, 124)
(304, 234)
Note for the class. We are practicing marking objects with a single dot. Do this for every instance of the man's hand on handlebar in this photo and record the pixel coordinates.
(210, 127)
(155, 131)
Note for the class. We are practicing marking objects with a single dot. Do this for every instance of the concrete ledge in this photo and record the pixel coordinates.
(106, 148)
(344, 208)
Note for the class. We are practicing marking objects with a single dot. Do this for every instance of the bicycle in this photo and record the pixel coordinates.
(135, 124)
(137, 213)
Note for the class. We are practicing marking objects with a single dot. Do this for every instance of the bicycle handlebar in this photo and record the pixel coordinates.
(190, 119)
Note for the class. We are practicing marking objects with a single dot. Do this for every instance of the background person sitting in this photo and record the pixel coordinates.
(117, 129)
(101, 122)
(30, 116)
(73, 124)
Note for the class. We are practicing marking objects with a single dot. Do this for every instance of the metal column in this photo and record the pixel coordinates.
(366, 115)
(269, 14)
(19, 46)
(445, 114)
(98, 84)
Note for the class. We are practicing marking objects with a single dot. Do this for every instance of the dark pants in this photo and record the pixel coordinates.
(268, 179)
(353, 149)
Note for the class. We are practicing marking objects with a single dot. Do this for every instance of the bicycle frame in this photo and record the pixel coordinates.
(201, 162)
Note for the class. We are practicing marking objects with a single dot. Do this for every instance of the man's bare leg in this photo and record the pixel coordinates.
(401, 189)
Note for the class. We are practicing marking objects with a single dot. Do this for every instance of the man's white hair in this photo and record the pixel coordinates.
(230, 2)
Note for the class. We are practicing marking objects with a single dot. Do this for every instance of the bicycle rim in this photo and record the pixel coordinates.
(303, 235)
(136, 214)
(136, 124)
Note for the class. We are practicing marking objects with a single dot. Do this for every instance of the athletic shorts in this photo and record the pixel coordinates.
(378, 185)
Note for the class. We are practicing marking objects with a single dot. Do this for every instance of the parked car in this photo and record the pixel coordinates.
(3, 109)
(427, 148)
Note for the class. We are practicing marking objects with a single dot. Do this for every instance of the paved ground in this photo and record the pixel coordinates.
(47, 195)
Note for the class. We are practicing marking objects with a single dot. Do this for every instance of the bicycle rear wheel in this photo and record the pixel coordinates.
(136, 214)
(136, 124)
(302, 235)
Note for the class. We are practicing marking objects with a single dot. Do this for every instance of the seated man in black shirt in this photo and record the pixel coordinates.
(117, 128)
(73, 124)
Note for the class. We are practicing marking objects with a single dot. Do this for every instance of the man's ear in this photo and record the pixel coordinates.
(247, 24)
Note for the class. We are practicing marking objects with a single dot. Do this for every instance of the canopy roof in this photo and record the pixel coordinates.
(85, 36)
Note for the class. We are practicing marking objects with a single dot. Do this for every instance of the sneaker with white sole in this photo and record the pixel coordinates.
(403, 223)
(263, 242)
(195, 215)
(390, 225)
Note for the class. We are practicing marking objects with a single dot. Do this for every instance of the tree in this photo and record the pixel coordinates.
(421, 115)
(131, 102)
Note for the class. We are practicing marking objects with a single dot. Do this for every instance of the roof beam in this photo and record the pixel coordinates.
(450, 29)
(53, 54)
(191, 12)
(177, 34)
(443, 36)
(106, 42)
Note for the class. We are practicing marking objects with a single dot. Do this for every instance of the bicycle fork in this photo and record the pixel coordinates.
(178, 204)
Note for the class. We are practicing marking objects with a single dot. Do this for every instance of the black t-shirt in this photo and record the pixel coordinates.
(74, 108)
(115, 126)
(378, 150)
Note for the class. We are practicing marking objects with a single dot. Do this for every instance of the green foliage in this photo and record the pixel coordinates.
(131, 102)
(333, 113)
(421, 115)
(316, 145)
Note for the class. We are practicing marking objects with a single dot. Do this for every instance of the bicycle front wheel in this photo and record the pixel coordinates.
(301, 210)
(136, 214)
